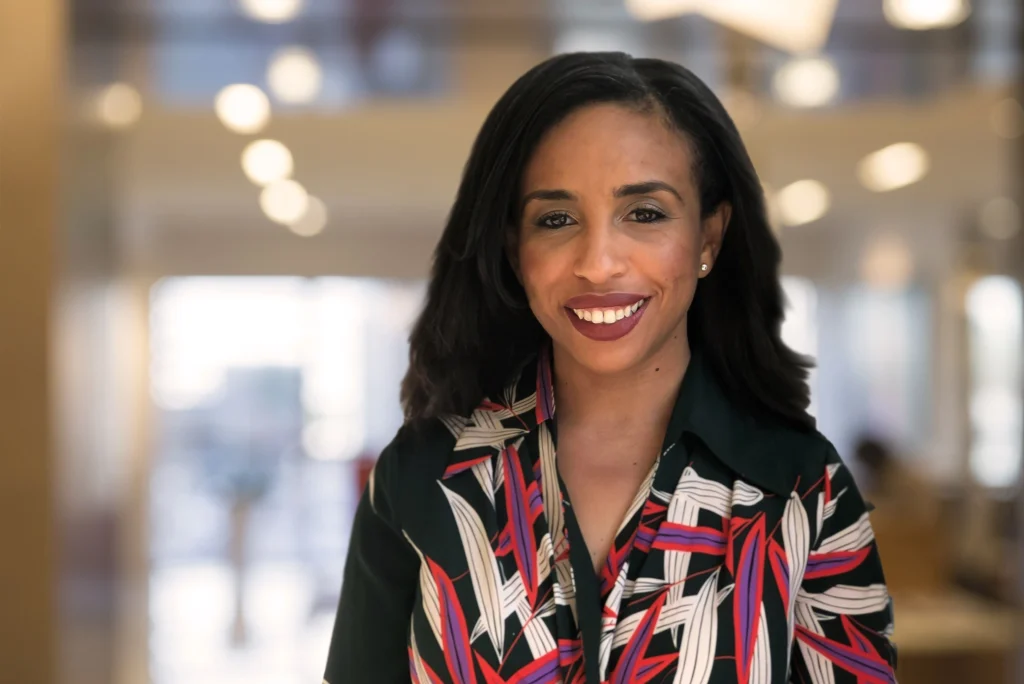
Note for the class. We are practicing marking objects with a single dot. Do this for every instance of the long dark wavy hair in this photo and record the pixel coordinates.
(476, 328)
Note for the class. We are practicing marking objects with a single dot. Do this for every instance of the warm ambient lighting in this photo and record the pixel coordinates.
(743, 107)
(887, 263)
(893, 167)
(999, 218)
(313, 220)
(792, 25)
(806, 82)
(119, 105)
(802, 202)
(1008, 119)
(294, 75)
(243, 108)
(284, 202)
(271, 11)
(920, 15)
(266, 161)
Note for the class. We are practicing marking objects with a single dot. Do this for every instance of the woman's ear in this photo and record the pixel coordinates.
(713, 232)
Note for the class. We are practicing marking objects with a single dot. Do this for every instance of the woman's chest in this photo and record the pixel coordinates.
(698, 586)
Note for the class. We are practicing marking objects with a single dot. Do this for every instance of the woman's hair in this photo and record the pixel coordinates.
(476, 328)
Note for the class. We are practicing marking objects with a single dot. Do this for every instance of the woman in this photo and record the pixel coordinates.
(679, 519)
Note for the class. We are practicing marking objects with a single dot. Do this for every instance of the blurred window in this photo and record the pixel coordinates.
(994, 312)
(265, 390)
(364, 48)
(800, 327)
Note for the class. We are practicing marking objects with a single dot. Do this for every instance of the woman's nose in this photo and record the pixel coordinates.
(599, 257)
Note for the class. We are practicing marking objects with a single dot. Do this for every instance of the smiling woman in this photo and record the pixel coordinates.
(680, 519)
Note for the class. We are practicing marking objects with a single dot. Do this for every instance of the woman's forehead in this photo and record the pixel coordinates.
(608, 146)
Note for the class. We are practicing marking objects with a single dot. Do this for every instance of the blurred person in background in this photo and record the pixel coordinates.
(679, 516)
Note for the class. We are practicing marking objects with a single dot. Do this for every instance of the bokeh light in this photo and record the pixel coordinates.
(806, 82)
(295, 75)
(119, 105)
(802, 202)
(312, 221)
(267, 161)
(284, 201)
(892, 167)
(242, 108)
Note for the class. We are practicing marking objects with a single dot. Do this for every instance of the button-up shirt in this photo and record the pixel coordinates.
(747, 555)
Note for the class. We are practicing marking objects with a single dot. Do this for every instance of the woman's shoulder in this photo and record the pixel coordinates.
(788, 456)
(419, 451)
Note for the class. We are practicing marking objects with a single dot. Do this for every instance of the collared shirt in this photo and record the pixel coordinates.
(746, 556)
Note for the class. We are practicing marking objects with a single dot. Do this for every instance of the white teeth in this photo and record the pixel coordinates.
(607, 316)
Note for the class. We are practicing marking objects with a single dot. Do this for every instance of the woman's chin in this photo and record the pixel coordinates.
(604, 358)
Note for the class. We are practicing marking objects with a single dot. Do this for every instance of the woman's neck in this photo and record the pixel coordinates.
(639, 398)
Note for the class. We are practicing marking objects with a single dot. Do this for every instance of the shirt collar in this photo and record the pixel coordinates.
(701, 409)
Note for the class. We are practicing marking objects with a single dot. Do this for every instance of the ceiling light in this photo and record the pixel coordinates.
(802, 202)
(295, 76)
(1000, 218)
(806, 82)
(313, 220)
(266, 161)
(920, 15)
(1008, 119)
(792, 25)
(243, 108)
(271, 11)
(284, 201)
(893, 167)
(887, 263)
(119, 105)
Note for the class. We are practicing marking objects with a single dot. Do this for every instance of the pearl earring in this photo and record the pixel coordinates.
(704, 267)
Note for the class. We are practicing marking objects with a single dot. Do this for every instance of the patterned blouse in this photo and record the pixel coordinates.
(746, 556)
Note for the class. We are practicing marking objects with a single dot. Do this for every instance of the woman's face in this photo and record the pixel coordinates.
(611, 242)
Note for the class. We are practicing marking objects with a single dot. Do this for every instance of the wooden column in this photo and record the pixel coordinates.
(31, 66)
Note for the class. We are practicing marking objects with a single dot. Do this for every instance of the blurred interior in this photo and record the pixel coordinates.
(202, 334)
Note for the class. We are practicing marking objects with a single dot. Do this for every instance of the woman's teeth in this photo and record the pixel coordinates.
(608, 315)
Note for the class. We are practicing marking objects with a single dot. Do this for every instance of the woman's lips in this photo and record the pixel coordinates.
(612, 300)
(607, 332)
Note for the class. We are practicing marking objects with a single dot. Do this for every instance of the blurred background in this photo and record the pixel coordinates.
(216, 217)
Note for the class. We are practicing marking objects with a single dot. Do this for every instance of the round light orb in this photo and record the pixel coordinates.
(802, 202)
(295, 76)
(313, 221)
(895, 166)
(806, 82)
(267, 161)
(922, 15)
(242, 108)
(1000, 218)
(119, 105)
(284, 201)
(271, 11)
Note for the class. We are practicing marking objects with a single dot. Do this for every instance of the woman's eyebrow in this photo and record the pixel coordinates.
(646, 188)
(563, 195)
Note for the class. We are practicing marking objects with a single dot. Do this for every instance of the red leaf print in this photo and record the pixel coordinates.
(453, 629)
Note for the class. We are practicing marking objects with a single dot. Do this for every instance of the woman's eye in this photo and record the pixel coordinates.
(647, 215)
(555, 221)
